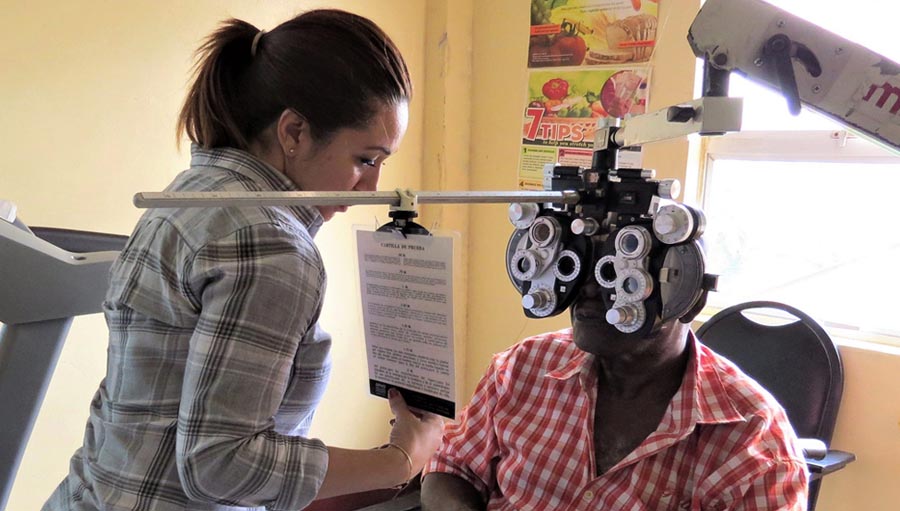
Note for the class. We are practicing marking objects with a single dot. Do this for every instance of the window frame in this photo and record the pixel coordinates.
(827, 145)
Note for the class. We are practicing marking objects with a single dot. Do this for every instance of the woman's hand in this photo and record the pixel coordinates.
(419, 434)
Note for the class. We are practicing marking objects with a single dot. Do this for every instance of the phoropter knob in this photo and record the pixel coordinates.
(669, 189)
(625, 315)
(522, 215)
(536, 299)
(586, 226)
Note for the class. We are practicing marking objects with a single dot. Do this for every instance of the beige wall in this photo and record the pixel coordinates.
(89, 93)
(868, 426)
(445, 162)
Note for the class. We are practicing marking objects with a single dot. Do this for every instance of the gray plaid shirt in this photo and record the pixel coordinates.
(215, 363)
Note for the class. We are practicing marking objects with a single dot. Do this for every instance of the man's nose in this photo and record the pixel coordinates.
(590, 289)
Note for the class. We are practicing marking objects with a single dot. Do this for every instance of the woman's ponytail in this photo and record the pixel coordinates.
(208, 115)
(332, 67)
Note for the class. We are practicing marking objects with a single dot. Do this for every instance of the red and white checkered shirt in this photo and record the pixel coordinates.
(525, 439)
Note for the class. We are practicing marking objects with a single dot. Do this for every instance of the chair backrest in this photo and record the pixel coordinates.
(797, 363)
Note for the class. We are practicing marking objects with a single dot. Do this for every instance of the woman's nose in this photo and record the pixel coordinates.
(369, 181)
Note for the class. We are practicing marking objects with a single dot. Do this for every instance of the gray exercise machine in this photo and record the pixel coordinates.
(47, 276)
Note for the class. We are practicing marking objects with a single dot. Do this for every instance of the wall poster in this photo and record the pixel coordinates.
(595, 53)
(591, 32)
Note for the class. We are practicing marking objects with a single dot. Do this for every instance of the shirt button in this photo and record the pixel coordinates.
(589, 495)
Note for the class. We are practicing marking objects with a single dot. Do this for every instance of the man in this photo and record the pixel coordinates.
(591, 418)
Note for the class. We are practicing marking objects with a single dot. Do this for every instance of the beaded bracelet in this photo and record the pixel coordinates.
(406, 454)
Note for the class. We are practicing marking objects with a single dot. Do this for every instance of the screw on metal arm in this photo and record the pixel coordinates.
(715, 76)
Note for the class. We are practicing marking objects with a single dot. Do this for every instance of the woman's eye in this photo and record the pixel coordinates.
(368, 162)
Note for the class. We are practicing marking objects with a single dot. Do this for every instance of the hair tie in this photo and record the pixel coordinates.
(255, 43)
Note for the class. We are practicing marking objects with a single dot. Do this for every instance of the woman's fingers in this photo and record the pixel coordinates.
(398, 405)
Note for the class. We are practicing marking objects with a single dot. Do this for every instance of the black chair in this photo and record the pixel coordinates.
(797, 363)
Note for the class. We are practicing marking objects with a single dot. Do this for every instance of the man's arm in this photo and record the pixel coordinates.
(447, 492)
(461, 475)
(783, 487)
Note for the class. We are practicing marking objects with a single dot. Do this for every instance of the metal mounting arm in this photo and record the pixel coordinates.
(808, 64)
(394, 199)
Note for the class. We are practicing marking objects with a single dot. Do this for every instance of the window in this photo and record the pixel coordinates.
(801, 212)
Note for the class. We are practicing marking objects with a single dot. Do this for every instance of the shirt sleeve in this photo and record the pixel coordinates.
(470, 449)
(782, 487)
(764, 471)
(260, 294)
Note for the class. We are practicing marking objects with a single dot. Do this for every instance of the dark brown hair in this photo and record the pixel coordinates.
(331, 66)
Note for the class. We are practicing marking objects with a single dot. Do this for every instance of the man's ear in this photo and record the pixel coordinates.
(696, 309)
(292, 131)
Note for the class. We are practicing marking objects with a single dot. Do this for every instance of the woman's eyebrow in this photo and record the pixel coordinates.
(383, 149)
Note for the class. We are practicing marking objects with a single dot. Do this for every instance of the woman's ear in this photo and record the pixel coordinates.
(292, 131)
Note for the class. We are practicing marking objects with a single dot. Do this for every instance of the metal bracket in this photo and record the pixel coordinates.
(408, 200)
(706, 116)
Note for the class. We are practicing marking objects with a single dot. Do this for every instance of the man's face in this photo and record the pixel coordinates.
(593, 334)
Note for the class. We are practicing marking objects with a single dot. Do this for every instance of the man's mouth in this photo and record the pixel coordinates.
(590, 311)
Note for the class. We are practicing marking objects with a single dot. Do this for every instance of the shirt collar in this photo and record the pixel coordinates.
(702, 398)
(579, 363)
(258, 171)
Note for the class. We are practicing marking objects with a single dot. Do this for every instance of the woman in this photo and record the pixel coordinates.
(216, 361)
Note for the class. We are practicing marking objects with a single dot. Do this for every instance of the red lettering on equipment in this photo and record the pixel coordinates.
(888, 91)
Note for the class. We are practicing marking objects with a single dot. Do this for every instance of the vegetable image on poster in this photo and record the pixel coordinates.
(620, 95)
(564, 106)
(563, 110)
(591, 32)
